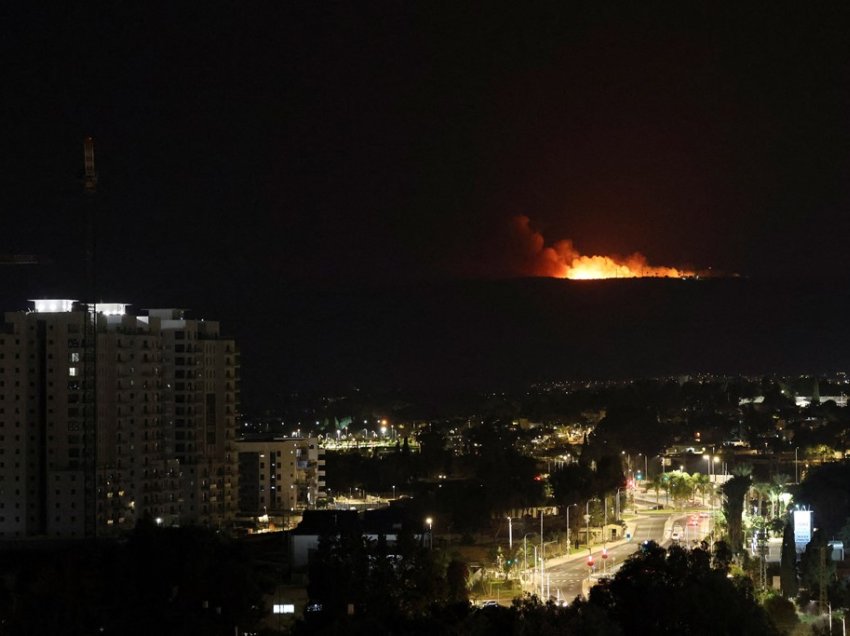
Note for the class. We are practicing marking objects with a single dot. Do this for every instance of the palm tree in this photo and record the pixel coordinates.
(654, 484)
(778, 482)
(665, 482)
(734, 491)
(702, 484)
(681, 486)
(761, 490)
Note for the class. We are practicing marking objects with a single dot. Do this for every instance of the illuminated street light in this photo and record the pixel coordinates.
(568, 525)
(543, 565)
(430, 522)
(587, 518)
(796, 466)
(525, 550)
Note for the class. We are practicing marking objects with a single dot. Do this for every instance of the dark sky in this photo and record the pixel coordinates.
(373, 140)
(241, 150)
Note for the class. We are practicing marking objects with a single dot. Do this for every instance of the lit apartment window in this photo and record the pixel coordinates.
(72, 371)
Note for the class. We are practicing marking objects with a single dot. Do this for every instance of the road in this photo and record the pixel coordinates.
(565, 580)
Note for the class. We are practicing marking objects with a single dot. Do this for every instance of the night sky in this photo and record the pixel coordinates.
(251, 158)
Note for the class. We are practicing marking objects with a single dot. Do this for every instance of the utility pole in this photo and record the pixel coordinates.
(822, 598)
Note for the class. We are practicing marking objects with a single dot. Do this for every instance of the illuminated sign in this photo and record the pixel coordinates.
(283, 608)
(802, 527)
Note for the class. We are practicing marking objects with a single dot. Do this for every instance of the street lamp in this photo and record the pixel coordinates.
(568, 525)
(393, 491)
(525, 550)
(534, 574)
(587, 518)
(510, 533)
(430, 522)
(796, 466)
(541, 549)
(543, 564)
(617, 510)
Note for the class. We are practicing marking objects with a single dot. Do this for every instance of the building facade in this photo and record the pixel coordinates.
(279, 475)
(106, 421)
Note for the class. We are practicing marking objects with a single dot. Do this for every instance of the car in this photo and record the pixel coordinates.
(657, 507)
(703, 515)
(489, 604)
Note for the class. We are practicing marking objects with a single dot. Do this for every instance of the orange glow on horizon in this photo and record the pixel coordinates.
(595, 267)
(562, 260)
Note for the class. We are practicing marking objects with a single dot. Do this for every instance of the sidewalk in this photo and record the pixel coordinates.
(596, 549)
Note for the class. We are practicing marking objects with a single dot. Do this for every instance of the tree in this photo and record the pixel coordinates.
(572, 483)
(680, 485)
(721, 556)
(160, 580)
(631, 427)
(778, 482)
(734, 491)
(762, 491)
(788, 564)
(608, 475)
(827, 490)
(656, 485)
(675, 591)
(815, 566)
(387, 587)
(702, 484)
(782, 612)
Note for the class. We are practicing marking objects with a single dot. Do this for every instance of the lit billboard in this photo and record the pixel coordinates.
(802, 528)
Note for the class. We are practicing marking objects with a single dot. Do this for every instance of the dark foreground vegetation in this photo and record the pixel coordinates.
(158, 581)
(657, 591)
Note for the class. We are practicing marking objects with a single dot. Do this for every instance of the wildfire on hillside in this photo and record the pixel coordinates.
(562, 260)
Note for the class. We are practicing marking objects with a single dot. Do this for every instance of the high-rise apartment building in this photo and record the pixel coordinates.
(165, 391)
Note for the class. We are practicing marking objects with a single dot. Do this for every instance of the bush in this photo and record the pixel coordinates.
(782, 612)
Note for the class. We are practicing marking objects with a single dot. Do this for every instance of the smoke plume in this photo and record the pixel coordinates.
(562, 260)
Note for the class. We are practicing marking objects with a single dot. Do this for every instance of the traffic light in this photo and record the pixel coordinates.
(604, 553)
(590, 561)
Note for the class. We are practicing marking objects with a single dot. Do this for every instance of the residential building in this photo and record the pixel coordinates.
(279, 475)
(88, 449)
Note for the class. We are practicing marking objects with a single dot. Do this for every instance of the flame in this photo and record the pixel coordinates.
(562, 260)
